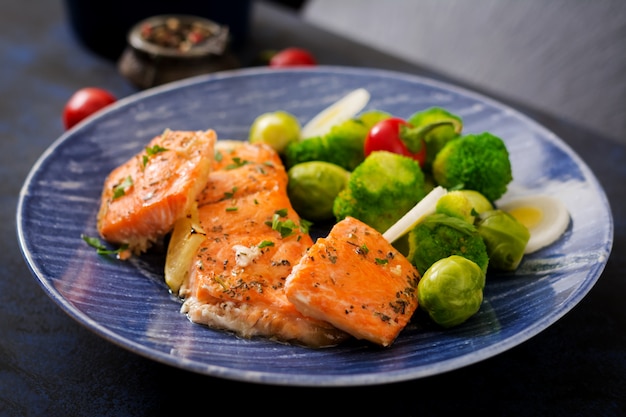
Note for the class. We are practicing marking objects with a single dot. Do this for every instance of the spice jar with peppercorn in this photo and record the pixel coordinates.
(167, 48)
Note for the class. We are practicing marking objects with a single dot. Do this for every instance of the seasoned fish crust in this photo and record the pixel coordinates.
(253, 240)
(357, 281)
(244, 168)
(142, 199)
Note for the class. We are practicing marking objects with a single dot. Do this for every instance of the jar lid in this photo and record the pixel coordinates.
(179, 36)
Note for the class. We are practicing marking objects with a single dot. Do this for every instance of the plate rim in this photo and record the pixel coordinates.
(359, 379)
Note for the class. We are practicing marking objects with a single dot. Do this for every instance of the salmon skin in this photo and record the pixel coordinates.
(142, 199)
(357, 281)
(254, 237)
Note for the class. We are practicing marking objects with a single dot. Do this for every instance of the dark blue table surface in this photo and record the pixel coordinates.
(51, 365)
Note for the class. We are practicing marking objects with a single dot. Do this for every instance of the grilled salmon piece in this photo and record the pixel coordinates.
(243, 169)
(355, 280)
(143, 198)
(253, 238)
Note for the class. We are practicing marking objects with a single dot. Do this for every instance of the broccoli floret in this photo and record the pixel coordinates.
(477, 162)
(381, 190)
(342, 145)
(439, 236)
(439, 136)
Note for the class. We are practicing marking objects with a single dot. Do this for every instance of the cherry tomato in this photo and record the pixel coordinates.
(389, 135)
(84, 102)
(292, 57)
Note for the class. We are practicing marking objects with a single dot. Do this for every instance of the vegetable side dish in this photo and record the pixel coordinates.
(412, 208)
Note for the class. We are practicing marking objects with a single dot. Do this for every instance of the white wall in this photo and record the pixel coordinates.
(567, 57)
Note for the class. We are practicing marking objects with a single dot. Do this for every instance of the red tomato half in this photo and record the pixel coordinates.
(292, 57)
(386, 136)
(84, 102)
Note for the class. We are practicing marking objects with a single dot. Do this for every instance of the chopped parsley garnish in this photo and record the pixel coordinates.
(265, 244)
(101, 249)
(305, 225)
(230, 194)
(286, 227)
(380, 261)
(237, 163)
(120, 189)
(151, 151)
(234, 208)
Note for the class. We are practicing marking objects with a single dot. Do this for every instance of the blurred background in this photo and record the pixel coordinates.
(565, 57)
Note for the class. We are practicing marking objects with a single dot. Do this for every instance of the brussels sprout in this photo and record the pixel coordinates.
(438, 137)
(463, 204)
(455, 204)
(505, 238)
(313, 186)
(277, 129)
(438, 236)
(451, 290)
(371, 117)
(479, 202)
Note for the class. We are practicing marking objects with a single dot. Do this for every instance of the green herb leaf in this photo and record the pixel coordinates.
(265, 244)
(231, 194)
(151, 151)
(305, 225)
(237, 163)
(362, 250)
(121, 188)
(281, 212)
(284, 227)
(287, 227)
(101, 249)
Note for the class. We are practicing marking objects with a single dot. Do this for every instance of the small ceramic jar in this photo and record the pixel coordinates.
(167, 48)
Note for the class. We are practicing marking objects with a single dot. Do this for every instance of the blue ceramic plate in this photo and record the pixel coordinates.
(127, 303)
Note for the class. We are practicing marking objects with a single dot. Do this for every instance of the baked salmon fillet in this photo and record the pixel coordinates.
(253, 238)
(357, 281)
(142, 199)
(244, 169)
